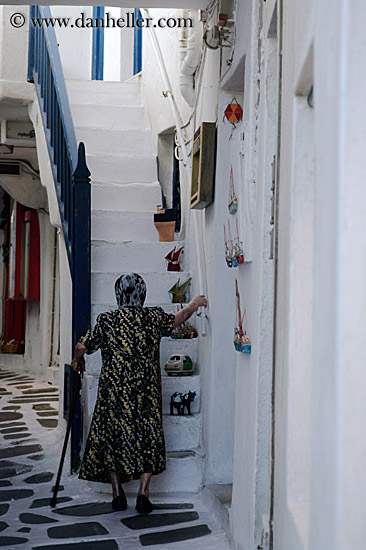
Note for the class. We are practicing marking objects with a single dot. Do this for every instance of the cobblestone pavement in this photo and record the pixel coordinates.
(83, 519)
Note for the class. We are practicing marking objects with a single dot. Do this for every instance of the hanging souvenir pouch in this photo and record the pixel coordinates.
(233, 200)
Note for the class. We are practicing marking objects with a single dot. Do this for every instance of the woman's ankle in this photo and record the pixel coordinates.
(116, 484)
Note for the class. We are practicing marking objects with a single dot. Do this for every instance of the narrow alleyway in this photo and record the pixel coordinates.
(29, 456)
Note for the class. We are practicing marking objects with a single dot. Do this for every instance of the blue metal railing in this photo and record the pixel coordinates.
(45, 70)
(71, 177)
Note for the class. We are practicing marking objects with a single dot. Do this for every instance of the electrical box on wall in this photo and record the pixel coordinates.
(225, 12)
(18, 132)
(203, 166)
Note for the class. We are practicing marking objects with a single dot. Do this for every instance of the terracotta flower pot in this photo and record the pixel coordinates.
(165, 230)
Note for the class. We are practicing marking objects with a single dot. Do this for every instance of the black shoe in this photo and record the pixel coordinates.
(143, 505)
(119, 503)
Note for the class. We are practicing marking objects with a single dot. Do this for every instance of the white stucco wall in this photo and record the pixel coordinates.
(217, 372)
(235, 388)
(14, 48)
(325, 507)
(339, 378)
(75, 44)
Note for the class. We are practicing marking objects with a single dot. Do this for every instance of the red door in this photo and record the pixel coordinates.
(23, 275)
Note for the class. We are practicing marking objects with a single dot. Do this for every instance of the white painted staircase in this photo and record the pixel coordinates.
(109, 118)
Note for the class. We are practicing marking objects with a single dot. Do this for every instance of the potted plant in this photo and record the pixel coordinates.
(164, 222)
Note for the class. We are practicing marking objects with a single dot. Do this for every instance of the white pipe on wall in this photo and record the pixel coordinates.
(190, 55)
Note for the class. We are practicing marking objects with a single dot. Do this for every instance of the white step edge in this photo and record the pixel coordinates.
(133, 197)
(184, 474)
(117, 227)
(100, 141)
(122, 168)
(108, 116)
(129, 255)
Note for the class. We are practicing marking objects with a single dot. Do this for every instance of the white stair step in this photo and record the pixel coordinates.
(168, 347)
(107, 116)
(181, 384)
(101, 92)
(158, 285)
(123, 226)
(184, 474)
(182, 433)
(108, 141)
(121, 197)
(130, 256)
(122, 168)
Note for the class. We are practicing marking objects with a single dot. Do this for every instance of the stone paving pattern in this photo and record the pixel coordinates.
(83, 518)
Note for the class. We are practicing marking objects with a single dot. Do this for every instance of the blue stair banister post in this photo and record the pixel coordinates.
(72, 186)
(80, 277)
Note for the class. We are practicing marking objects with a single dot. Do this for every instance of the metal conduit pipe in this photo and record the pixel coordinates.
(197, 222)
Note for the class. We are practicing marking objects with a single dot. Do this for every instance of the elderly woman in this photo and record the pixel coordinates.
(126, 439)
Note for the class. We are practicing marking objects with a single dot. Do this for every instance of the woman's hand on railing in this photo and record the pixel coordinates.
(185, 313)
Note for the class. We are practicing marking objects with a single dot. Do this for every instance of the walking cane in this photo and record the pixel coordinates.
(57, 484)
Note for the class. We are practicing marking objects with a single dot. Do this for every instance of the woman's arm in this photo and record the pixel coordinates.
(185, 313)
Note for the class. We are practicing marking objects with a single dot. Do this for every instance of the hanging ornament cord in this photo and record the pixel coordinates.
(239, 319)
(237, 246)
(227, 251)
(242, 323)
(240, 251)
(232, 193)
(231, 241)
(233, 201)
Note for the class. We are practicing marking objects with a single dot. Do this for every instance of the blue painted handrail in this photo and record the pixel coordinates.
(71, 178)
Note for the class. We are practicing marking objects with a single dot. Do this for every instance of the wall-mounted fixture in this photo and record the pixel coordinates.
(225, 12)
(216, 37)
(213, 38)
(18, 132)
(203, 166)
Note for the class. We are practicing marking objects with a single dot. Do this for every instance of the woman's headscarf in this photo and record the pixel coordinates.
(130, 290)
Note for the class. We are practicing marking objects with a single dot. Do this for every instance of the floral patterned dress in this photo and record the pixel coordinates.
(126, 432)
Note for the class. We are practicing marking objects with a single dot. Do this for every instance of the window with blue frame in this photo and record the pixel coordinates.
(98, 44)
(137, 45)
